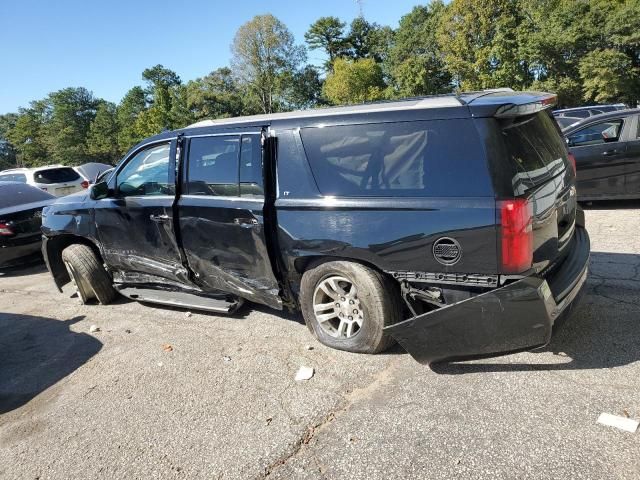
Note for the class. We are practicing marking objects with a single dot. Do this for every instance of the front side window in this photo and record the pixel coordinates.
(213, 166)
(596, 134)
(13, 177)
(147, 173)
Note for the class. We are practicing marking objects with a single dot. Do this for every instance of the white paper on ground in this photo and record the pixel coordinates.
(626, 424)
(304, 373)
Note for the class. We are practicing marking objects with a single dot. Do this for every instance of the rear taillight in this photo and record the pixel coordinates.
(572, 161)
(516, 235)
(6, 229)
(85, 184)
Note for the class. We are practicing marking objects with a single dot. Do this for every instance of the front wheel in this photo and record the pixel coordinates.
(87, 274)
(346, 305)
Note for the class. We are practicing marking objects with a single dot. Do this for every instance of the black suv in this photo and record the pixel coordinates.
(447, 223)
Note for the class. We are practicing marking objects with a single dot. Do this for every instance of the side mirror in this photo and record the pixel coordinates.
(99, 191)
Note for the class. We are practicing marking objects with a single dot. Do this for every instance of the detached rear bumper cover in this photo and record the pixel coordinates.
(516, 317)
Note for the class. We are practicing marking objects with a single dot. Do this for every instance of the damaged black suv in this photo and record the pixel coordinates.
(447, 223)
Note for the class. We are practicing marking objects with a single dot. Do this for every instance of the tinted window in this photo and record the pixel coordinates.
(251, 167)
(213, 166)
(18, 194)
(535, 147)
(55, 175)
(13, 177)
(603, 132)
(147, 173)
(565, 122)
(579, 113)
(396, 159)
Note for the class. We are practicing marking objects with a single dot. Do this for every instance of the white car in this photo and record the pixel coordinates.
(58, 180)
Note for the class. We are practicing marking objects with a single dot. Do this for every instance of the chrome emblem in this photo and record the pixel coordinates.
(447, 251)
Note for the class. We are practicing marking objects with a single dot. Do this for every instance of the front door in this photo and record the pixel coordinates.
(135, 225)
(600, 159)
(221, 216)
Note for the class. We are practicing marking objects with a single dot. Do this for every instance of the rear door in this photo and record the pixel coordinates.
(221, 216)
(600, 154)
(135, 225)
(632, 183)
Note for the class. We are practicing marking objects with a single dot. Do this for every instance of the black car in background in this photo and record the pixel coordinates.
(20, 220)
(607, 153)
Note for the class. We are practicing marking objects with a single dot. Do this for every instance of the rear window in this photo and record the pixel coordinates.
(422, 158)
(13, 177)
(18, 194)
(55, 175)
(535, 148)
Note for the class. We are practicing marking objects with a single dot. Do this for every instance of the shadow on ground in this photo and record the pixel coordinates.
(603, 332)
(611, 205)
(36, 353)
(30, 267)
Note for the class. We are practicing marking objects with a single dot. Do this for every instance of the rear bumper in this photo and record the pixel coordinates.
(519, 316)
(13, 252)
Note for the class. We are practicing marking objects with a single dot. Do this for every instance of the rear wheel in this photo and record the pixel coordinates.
(346, 305)
(87, 274)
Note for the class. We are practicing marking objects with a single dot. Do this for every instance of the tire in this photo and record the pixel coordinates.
(87, 274)
(375, 299)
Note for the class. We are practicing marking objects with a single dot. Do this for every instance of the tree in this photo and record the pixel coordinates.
(102, 138)
(27, 135)
(69, 113)
(132, 105)
(7, 150)
(415, 61)
(216, 95)
(327, 33)
(608, 76)
(264, 53)
(354, 81)
(368, 40)
(479, 39)
(304, 89)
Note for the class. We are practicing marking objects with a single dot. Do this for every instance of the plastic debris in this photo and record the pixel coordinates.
(626, 424)
(187, 314)
(167, 348)
(304, 373)
(226, 358)
(94, 329)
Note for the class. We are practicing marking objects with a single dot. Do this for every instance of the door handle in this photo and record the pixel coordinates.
(609, 153)
(245, 222)
(158, 218)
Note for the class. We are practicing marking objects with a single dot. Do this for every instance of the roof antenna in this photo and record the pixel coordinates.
(360, 8)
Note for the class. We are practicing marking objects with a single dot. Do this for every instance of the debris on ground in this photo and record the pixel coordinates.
(187, 314)
(226, 358)
(127, 331)
(304, 373)
(94, 329)
(626, 424)
(308, 347)
(167, 348)
(269, 420)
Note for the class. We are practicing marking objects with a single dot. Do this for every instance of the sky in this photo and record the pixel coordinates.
(104, 46)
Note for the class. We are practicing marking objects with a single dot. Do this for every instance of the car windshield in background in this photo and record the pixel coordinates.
(12, 194)
(55, 175)
(13, 177)
(537, 149)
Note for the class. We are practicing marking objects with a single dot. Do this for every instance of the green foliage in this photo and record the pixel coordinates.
(608, 76)
(415, 61)
(327, 33)
(354, 81)
(102, 139)
(216, 95)
(131, 107)
(264, 55)
(7, 150)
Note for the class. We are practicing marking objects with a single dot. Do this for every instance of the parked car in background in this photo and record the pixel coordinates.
(58, 180)
(589, 111)
(606, 149)
(566, 122)
(446, 223)
(90, 171)
(20, 219)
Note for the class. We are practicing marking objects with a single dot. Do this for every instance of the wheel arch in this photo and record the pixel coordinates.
(53, 248)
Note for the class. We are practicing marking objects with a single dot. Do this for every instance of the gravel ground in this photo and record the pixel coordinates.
(158, 393)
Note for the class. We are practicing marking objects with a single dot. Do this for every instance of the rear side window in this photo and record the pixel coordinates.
(422, 158)
(19, 194)
(535, 147)
(55, 175)
(213, 166)
(13, 177)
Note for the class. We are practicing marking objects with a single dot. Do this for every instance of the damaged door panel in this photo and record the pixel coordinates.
(221, 217)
